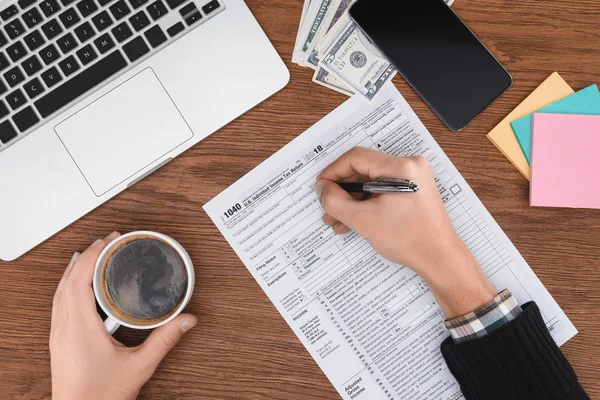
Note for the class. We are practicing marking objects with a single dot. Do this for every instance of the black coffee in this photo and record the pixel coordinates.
(146, 279)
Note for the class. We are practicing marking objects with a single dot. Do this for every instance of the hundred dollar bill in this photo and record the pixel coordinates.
(296, 59)
(355, 61)
(324, 78)
(315, 17)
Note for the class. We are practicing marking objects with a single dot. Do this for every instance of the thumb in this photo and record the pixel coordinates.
(163, 339)
(338, 203)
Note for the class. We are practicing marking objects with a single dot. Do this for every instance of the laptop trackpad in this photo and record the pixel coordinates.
(123, 132)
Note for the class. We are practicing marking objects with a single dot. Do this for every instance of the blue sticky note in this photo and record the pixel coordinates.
(585, 102)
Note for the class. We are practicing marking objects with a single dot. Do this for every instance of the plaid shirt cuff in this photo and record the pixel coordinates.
(485, 319)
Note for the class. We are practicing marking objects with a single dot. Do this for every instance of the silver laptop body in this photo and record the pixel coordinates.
(148, 97)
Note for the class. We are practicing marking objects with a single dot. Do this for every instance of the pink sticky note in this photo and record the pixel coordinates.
(565, 161)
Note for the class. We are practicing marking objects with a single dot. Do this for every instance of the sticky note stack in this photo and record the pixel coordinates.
(565, 162)
(553, 138)
(552, 89)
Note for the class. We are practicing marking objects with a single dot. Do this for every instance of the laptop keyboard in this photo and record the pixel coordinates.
(52, 52)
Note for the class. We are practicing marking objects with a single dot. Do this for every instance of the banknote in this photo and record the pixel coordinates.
(344, 60)
(315, 16)
(295, 59)
(352, 58)
(325, 78)
(335, 12)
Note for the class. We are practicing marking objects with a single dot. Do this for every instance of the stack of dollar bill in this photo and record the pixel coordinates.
(343, 59)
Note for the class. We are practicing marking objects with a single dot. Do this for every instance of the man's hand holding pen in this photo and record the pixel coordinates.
(412, 229)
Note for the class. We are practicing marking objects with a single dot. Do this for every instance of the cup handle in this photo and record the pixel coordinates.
(111, 325)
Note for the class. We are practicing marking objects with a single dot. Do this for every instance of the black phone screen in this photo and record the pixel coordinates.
(437, 55)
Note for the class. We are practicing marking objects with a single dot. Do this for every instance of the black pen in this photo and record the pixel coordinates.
(381, 185)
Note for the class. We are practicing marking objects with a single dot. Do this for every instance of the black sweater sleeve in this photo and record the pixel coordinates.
(518, 361)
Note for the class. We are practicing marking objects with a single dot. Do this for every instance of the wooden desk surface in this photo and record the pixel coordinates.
(242, 348)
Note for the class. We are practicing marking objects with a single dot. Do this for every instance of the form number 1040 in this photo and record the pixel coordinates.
(231, 211)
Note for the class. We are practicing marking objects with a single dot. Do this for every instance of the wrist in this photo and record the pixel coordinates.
(457, 281)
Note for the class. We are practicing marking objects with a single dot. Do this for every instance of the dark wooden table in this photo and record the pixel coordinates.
(242, 348)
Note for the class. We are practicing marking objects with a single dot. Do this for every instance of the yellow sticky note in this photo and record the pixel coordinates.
(552, 89)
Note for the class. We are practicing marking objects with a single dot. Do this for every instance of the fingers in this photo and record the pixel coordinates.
(71, 263)
(371, 164)
(340, 228)
(57, 294)
(329, 220)
(82, 272)
(162, 340)
(66, 273)
(339, 205)
(336, 225)
(359, 160)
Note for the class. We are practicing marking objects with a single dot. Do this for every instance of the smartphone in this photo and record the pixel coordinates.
(436, 54)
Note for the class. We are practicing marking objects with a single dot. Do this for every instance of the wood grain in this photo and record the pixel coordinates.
(242, 348)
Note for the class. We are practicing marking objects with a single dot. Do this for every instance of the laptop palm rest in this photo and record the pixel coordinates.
(124, 132)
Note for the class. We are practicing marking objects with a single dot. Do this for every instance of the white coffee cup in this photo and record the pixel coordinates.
(114, 321)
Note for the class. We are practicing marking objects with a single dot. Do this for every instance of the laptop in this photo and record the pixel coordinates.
(97, 94)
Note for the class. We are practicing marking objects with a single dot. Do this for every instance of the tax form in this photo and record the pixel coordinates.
(372, 326)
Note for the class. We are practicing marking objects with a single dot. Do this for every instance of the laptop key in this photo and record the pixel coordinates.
(104, 43)
(32, 17)
(86, 7)
(80, 83)
(33, 88)
(16, 51)
(7, 132)
(155, 36)
(121, 32)
(157, 9)
(49, 54)
(3, 39)
(68, 65)
(25, 119)
(4, 63)
(14, 76)
(14, 28)
(3, 87)
(84, 32)
(210, 7)
(51, 77)
(16, 99)
(31, 66)
(65, 3)
(69, 18)
(137, 3)
(51, 29)
(119, 10)
(139, 21)
(175, 29)
(175, 3)
(192, 19)
(67, 43)
(135, 48)
(102, 21)
(104, 2)
(190, 14)
(25, 3)
(3, 109)
(49, 7)
(9, 12)
(86, 54)
(34, 40)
